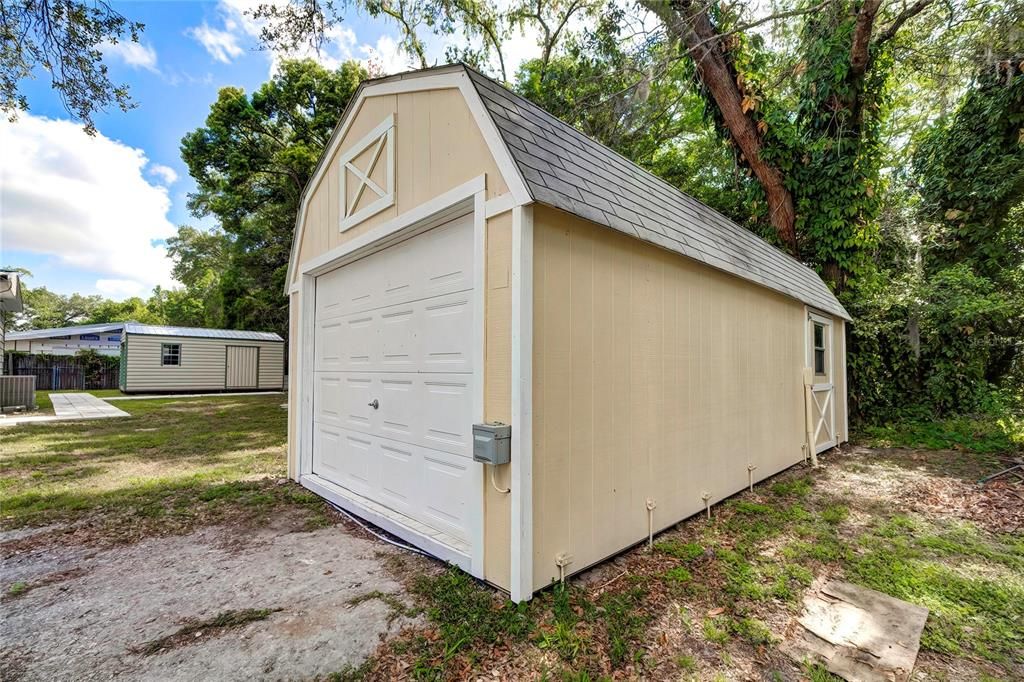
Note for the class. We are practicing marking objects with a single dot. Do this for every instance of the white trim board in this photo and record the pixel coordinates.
(522, 404)
(430, 80)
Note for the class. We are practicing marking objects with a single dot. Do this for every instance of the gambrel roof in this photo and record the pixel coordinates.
(565, 169)
(562, 168)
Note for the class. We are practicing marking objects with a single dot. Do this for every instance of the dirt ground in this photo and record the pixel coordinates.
(89, 612)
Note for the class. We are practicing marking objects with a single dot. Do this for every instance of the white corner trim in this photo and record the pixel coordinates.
(382, 139)
(427, 81)
(479, 371)
(522, 404)
(846, 385)
(500, 204)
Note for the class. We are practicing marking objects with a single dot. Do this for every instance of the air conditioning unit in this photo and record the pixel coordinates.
(10, 292)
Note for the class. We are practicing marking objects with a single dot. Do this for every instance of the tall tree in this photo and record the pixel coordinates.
(251, 162)
(63, 38)
(200, 259)
(814, 156)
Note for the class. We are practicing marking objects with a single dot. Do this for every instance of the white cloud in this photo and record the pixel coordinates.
(133, 54)
(165, 173)
(388, 56)
(120, 288)
(340, 44)
(222, 44)
(84, 201)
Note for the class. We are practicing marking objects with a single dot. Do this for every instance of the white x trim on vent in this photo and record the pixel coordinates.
(382, 139)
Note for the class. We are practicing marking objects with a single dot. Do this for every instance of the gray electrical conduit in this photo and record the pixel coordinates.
(400, 545)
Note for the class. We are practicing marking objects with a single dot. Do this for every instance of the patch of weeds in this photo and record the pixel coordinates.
(819, 673)
(351, 673)
(686, 551)
(752, 630)
(466, 613)
(18, 588)
(751, 508)
(715, 633)
(834, 514)
(798, 487)
(625, 622)
(686, 663)
(214, 626)
(741, 579)
(679, 575)
(563, 639)
(397, 607)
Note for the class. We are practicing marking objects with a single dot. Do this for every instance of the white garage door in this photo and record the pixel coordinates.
(393, 402)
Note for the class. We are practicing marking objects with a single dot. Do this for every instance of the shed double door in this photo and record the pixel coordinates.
(393, 380)
(242, 367)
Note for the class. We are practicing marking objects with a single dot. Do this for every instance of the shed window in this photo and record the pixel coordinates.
(170, 354)
(819, 348)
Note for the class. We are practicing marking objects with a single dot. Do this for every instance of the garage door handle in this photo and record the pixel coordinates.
(374, 404)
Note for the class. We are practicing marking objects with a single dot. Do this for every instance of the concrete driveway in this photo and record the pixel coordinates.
(96, 613)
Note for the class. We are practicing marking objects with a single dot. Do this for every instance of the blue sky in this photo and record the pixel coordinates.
(89, 215)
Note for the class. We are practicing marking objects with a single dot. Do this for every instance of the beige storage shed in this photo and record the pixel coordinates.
(159, 359)
(460, 257)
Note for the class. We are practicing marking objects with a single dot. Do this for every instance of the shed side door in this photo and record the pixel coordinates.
(242, 368)
(820, 360)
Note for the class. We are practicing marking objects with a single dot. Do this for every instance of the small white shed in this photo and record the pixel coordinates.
(184, 359)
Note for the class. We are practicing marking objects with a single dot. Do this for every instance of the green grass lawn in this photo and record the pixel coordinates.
(44, 404)
(174, 462)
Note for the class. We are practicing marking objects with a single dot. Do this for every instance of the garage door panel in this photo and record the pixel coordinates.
(399, 477)
(434, 263)
(327, 399)
(345, 457)
(396, 329)
(435, 488)
(445, 402)
(444, 344)
(430, 410)
(430, 335)
(447, 478)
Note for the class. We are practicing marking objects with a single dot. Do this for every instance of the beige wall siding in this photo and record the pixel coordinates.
(437, 147)
(654, 378)
(202, 364)
(498, 393)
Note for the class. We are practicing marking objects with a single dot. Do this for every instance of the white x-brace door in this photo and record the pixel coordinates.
(820, 357)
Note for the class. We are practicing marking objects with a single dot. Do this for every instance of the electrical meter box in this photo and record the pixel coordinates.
(491, 443)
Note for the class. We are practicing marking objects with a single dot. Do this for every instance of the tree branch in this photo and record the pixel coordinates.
(902, 18)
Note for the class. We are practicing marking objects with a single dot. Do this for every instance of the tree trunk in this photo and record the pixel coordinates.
(692, 27)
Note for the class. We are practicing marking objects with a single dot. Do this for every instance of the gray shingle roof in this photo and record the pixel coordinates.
(567, 170)
(199, 332)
